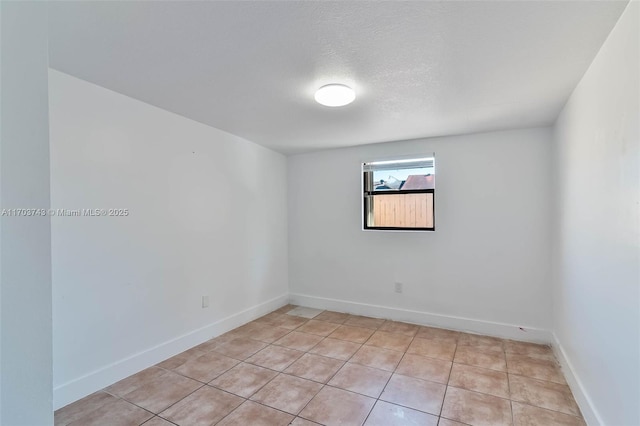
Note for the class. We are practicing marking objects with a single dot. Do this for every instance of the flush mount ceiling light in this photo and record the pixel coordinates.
(335, 95)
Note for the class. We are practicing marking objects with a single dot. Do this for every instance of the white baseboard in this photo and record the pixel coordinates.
(80, 387)
(580, 394)
(488, 328)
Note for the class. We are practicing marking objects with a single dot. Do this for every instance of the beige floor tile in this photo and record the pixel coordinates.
(440, 334)
(227, 337)
(272, 318)
(84, 408)
(244, 379)
(435, 370)
(287, 393)
(290, 322)
(157, 421)
(204, 407)
(360, 379)
(333, 406)
(405, 365)
(366, 322)
(206, 367)
(133, 382)
(482, 342)
(250, 327)
(433, 348)
(480, 358)
(529, 349)
(388, 340)
(267, 333)
(335, 317)
(479, 379)
(552, 396)
(476, 408)
(207, 346)
(115, 413)
(526, 415)
(254, 414)
(299, 421)
(240, 348)
(335, 348)
(386, 414)
(244, 330)
(305, 312)
(286, 308)
(414, 393)
(158, 394)
(177, 360)
(320, 328)
(384, 359)
(536, 368)
(315, 367)
(282, 320)
(400, 328)
(275, 357)
(352, 334)
(448, 422)
(299, 341)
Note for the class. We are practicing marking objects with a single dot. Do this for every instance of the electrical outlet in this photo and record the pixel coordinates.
(205, 301)
(398, 287)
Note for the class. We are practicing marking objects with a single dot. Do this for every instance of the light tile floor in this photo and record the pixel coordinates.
(303, 366)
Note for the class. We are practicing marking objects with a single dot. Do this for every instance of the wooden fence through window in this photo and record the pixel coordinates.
(403, 210)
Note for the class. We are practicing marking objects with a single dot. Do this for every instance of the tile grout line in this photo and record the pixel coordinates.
(444, 397)
(282, 372)
(319, 390)
(264, 328)
(157, 416)
(166, 408)
(154, 414)
(345, 363)
(258, 390)
(548, 409)
(506, 362)
(203, 384)
(405, 352)
(393, 372)
(385, 385)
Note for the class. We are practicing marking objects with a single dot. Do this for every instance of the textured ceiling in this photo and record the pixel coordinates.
(419, 68)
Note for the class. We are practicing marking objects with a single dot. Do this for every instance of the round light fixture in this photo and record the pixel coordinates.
(335, 95)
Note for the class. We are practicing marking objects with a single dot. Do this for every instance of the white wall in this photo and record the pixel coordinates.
(207, 217)
(25, 261)
(597, 244)
(485, 268)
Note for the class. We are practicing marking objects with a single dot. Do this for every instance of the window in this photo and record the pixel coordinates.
(399, 194)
